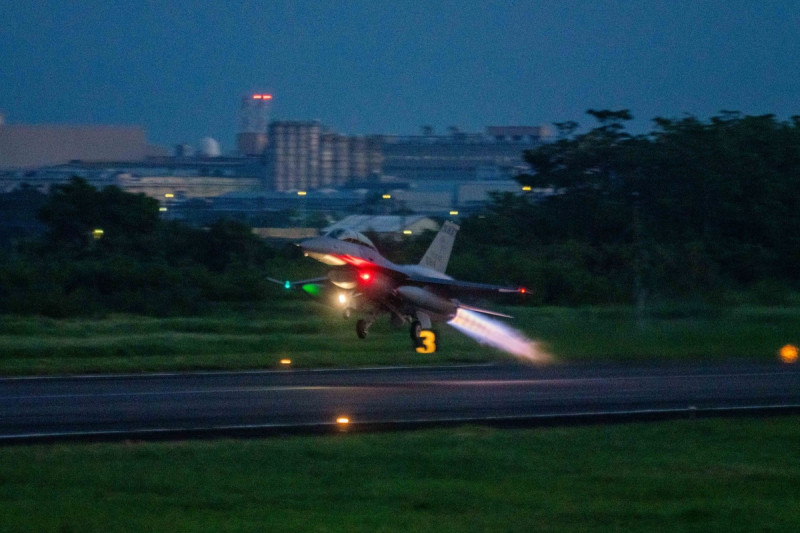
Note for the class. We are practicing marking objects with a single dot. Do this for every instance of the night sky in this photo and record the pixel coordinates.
(179, 68)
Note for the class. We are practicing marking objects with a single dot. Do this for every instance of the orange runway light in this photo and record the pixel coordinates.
(788, 353)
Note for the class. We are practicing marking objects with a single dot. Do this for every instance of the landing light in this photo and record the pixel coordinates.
(342, 420)
(301, 193)
(527, 188)
(407, 232)
(342, 298)
(98, 234)
(286, 362)
(169, 195)
(387, 196)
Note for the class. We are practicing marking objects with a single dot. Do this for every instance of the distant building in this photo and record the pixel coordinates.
(157, 177)
(251, 138)
(391, 224)
(32, 146)
(305, 155)
(495, 155)
(336, 173)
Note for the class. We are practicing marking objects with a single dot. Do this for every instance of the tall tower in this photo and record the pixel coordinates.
(253, 119)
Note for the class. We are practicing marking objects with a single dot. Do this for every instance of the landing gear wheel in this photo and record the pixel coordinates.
(361, 328)
(416, 331)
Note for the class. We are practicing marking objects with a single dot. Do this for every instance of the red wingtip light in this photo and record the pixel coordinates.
(365, 277)
(523, 290)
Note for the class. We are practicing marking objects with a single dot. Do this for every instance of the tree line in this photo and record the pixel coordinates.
(692, 209)
(106, 250)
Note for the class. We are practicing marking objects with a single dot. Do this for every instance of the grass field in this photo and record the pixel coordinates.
(695, 475)
(314, 336)
(699, 475)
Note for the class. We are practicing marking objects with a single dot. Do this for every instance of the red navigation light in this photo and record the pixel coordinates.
(523, 290)
(365, 277)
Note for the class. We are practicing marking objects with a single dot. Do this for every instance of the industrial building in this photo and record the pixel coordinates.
(306, 155)
(393, 225)
(251, 139)
(274, 160)
(496, 154)
(30, 146)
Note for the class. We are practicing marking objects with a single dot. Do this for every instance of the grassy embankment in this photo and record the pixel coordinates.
(699, 475)
(314, 336)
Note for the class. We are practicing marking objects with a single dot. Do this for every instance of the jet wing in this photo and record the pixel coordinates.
(455, 285)
(298, 284)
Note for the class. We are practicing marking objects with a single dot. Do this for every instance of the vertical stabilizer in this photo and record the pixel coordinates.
(438, 254)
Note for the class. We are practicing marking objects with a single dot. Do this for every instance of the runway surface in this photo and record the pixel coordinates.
(187, 405)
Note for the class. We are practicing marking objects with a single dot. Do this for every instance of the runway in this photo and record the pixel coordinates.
(204, 404)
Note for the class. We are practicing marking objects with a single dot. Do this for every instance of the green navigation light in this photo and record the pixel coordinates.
(311, 288)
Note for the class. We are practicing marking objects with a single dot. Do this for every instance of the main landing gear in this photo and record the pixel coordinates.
(424, 339)
(363, 324)
(361, 328)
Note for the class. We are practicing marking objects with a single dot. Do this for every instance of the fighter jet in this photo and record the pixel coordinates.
(415, 295)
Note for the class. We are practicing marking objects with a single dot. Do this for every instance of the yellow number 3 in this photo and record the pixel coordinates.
(428, 340)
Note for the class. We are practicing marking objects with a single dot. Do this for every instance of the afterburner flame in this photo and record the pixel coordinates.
(494, 333)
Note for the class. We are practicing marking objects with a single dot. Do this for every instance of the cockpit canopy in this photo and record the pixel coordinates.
(346, 234)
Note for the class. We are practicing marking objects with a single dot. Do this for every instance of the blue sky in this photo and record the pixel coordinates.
(179, 68)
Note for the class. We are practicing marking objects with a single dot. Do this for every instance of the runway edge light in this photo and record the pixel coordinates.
(788, 353)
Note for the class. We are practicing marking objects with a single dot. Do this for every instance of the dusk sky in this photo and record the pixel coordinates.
(178, 69)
